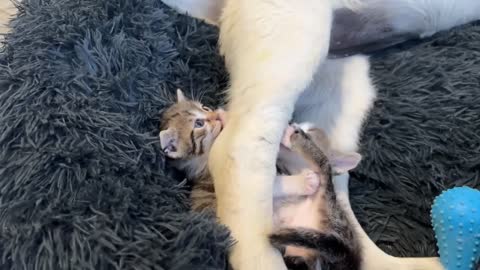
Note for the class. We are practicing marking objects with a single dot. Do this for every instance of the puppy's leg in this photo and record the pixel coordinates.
(373, 257)
(352, 94)
(357, 94)
(338, 100)
(364, 26)
(425, 17)
(271, 50)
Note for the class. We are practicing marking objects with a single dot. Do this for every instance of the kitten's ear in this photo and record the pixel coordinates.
(344, 162)
(169, 141)
(180, 96)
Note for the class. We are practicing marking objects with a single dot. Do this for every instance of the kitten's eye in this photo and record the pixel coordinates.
(199, 123)
(206, 108)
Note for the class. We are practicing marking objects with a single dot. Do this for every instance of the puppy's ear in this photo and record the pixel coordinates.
(180, 96)
(169, 142)
(344, 162)
(206, 10)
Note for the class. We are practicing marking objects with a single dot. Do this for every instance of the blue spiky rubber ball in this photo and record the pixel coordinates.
(456, 222)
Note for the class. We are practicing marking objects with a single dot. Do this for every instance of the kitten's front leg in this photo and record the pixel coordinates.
(271, 48)
(303, 184)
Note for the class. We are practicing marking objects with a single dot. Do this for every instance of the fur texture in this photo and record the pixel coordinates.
(242, 160)
(82, 181)
(320, 222)
(303, 193)
(83, 184)
(254, 37)
(366, 26)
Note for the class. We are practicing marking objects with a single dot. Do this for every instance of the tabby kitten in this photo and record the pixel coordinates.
(187, 131)
(311, 228)
(315, 230)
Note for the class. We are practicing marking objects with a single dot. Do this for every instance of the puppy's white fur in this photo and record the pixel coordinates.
(338, 99)
(424, 17)
(258, 48)
(274, 50)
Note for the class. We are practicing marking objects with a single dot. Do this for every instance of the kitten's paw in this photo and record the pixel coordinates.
(287, 135)
(312, 181)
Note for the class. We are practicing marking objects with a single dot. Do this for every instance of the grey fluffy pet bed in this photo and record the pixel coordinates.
(83, 184)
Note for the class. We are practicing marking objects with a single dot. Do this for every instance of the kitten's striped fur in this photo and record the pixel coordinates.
(328, 240)
(188, 144)
(331, 241)
(267, 77)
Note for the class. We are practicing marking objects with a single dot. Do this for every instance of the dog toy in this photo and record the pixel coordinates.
(456, 222)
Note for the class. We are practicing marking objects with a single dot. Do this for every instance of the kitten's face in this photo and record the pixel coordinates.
(189, 128)
(341, 162)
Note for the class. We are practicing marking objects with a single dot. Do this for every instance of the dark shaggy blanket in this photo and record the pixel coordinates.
(82, 181)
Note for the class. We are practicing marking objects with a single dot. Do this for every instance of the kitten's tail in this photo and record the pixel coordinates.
(331, 248)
